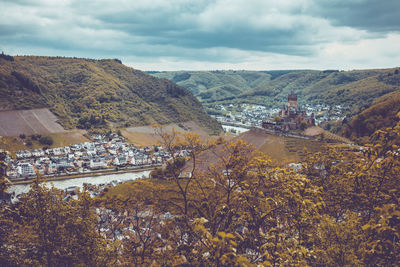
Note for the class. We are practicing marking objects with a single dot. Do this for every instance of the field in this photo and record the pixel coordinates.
(69, 138)
(33, 121)
(13, 143)
(146, 135)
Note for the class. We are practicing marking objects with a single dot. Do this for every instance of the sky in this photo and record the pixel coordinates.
(208, 34)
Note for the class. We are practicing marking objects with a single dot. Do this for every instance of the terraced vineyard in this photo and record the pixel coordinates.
(299, 147)
(283, 149)
(33, 121)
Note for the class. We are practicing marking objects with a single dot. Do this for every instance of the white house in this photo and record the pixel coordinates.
(97, 163)
(25, 169)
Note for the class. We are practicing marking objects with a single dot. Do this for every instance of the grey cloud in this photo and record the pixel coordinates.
(193, 30)
(184, 30)
(370, 15)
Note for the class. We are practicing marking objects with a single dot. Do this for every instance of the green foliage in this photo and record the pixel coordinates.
(356, 89)
(6, 57)
(35, 136)
(303, 126)
(277, 119)
(4, 183)
(29, 142)
(46, 140)
(93, 94)
(378, 116)
(88, 121)
(26, 82)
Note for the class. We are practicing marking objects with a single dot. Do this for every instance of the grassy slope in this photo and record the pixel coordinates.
(75, 88)
(14, 144)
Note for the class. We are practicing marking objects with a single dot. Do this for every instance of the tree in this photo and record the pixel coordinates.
(303, 126)
(48, 230)
(4, 183)
(29, 142)
(173, 143)
(46, 140)
(277, 119)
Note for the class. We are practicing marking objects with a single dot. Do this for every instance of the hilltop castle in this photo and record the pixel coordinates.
(291, 117)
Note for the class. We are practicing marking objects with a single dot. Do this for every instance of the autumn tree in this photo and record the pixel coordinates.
(4, 183)
(48, 230)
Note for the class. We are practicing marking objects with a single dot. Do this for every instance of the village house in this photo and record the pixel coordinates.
(97, 163)
(80, 158)
(25, 169)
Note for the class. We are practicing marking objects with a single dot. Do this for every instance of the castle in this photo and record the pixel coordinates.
(291, 117)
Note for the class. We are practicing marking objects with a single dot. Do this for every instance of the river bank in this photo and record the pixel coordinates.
(89, 174)
(18, 189)
(235, 129)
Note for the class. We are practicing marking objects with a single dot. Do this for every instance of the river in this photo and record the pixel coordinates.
(101, 179)
(238, 130)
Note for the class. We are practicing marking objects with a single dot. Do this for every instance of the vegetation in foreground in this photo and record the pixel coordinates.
(339, 209)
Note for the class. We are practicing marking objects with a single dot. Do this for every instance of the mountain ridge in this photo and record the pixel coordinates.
(88, 93)
(331, 86)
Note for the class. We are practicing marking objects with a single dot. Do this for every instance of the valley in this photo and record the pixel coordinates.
(199, 133)
(340, 100)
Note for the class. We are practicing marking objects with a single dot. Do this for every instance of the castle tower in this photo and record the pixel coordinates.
(292, 100)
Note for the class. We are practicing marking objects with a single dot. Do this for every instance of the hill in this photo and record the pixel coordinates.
(381, 114)
(370, 95)
(211, 86)
(357, 88)
(86, 93)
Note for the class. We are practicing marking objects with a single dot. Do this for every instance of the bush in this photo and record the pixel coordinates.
(46, 140)
(303, 126)
(36, 136)
(157, 174)
(22, 136)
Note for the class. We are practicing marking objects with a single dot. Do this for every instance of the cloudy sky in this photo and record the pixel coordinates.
(208, 34)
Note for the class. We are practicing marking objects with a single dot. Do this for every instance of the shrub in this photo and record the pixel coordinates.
(36, 136)
(46, 140)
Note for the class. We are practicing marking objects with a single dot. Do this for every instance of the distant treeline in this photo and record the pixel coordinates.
(6, 57)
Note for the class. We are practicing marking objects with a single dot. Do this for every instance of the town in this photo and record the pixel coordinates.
(102, 153)
(248, 115)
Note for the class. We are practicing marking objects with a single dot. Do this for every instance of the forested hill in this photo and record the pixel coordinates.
(356, 88)
(382, 113)
(88, 93)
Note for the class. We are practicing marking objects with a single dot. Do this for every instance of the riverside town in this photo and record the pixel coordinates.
(103, 153)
